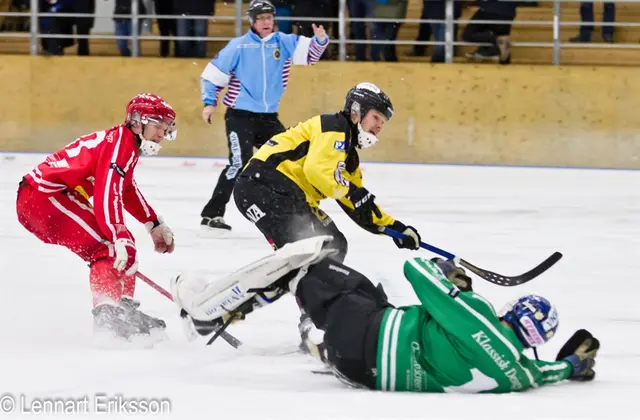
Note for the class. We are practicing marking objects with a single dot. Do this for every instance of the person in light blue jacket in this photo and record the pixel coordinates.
(255, 69)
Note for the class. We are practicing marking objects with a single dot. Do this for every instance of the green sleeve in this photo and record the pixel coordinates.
(436, 294)
(552, 372)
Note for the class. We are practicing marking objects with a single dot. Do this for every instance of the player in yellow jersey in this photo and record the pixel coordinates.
(281, 187)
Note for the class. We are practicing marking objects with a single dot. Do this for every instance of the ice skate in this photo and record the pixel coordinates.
(125, 324)
(215, 227)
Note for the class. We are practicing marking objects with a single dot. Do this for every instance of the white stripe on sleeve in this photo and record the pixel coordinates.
(215, 75)
(301, 54)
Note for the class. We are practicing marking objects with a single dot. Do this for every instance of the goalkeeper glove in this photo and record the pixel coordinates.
(580, 350)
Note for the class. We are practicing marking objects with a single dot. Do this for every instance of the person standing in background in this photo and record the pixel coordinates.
(255, 68)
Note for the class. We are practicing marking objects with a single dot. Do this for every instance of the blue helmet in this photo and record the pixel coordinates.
(533, 318)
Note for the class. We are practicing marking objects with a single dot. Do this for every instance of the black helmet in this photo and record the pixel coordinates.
(258, 7)
(366, 96)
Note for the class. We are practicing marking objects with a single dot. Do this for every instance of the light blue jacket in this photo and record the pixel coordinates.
(256, 70)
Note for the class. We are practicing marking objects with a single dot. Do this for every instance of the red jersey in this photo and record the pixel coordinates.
(99, 165)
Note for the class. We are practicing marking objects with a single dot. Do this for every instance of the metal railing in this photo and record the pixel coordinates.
(343, 19)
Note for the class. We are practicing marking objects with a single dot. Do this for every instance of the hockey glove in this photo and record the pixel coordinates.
(363, 201)
(412, 239)
(580, 351)
(126, 259)
(454, 274)
(161, 235)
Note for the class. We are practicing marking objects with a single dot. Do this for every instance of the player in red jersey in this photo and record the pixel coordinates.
(53, 204)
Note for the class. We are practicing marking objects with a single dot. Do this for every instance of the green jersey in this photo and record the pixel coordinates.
(453, 341)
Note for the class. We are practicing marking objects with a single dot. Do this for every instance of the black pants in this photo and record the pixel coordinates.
(349, 309)
(487, 33)
(279, 209)
(245, 130)
(167, 27)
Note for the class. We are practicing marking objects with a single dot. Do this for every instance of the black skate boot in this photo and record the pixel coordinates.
(215, 226)
(132, 306)
(125, 322)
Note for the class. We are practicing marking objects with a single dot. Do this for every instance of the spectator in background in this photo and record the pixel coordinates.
(387, 31)
(66, 25)
(586, 14)
(424, 33)
(193, 27)
(496, 34)
(123, 25)
(167, 27)
(83, 25)
(360, 9)
(284, 8)
(437, 10)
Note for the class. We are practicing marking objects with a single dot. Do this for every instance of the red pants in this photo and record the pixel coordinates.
(67, 219)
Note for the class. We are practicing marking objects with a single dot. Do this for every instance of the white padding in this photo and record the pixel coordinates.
(301, 53)
(205, 297)
(215, 75)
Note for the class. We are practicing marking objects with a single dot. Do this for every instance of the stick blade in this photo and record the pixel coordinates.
(509, 281)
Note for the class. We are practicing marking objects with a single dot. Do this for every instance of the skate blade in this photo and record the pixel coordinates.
(106, 339)
(213, 233)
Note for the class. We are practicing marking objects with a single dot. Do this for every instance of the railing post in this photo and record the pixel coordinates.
(238, 17)
(33, 28)
(556, 33)
(135, 24)
(448, 36)
(342, 23)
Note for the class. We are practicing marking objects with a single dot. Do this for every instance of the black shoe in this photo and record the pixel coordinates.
(215, 225)
(608, 38)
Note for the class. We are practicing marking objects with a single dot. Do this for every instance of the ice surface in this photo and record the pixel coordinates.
(504, 219)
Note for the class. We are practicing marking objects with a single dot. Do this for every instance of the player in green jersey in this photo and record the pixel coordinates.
(453, 341)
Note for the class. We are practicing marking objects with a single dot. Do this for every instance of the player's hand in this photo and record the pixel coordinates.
(580, 351)
(319, 32)
(126, 256)
(162, 236)
(411, 239)
(363, 201)
(207, 112)
(454, 274)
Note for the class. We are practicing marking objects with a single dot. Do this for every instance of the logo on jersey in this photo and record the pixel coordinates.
(254, 213)
(337, 174)
(236, 156)
(272, 142)
(276, 54)
(339, 146)
(118, 169)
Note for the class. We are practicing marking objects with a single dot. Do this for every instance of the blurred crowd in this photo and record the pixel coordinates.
(495, 36)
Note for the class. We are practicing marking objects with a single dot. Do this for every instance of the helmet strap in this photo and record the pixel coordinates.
(535, 352)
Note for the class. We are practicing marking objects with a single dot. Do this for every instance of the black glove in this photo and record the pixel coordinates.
(363, 200)
(412, 239)
(364, 207)
(454, 274)
(580, 351)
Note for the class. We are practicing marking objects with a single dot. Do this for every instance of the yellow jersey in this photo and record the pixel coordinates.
(317, 155)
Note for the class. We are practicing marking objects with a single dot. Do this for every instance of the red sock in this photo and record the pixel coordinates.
(106, 282)
(129, 287)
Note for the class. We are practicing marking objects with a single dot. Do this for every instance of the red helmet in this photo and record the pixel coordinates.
(146, 107)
